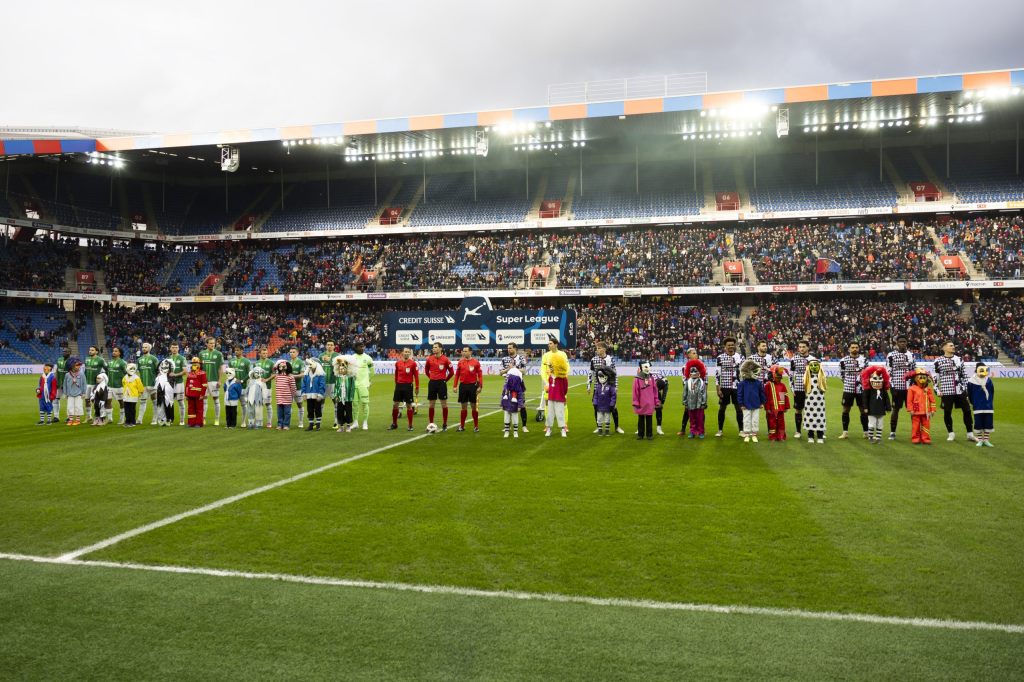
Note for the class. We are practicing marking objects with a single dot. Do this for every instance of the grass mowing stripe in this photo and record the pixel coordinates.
(730, 609)
(103, 544)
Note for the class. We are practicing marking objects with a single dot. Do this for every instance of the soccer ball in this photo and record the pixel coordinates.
(431, 427)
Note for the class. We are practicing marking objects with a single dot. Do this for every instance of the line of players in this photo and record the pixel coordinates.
(950, 372)
(950, 379)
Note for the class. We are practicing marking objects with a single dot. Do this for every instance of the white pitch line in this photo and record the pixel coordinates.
(103, 544)
(552, 597)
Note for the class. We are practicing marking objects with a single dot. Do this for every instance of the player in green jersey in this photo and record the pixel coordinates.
(116, 370)
(94, 364)
(241, 365)
(179, 368)
(213, 363)
(298, 369)
(327, 362)
(267, 365)
(62, 370)
(148, 365)
(364, 369)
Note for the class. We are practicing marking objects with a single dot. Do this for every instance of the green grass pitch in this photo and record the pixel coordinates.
(892, 530)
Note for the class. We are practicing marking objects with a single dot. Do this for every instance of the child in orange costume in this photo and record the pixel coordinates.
(921, 406)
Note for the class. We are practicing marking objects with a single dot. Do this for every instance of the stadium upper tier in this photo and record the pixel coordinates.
(656, 183)
(940, 248)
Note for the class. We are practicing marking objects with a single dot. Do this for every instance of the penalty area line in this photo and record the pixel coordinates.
(551, 597)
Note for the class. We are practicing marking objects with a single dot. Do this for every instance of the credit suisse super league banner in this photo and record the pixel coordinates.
(478, 326)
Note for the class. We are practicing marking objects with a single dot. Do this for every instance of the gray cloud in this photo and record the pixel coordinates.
(218, 65)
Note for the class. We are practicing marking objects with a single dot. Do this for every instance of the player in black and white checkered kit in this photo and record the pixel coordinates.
(797, 368)
(850, 368)
(763, 359)
(508, 361)
(602, 359)
(900, 363)
(726, 378)
(951, 384)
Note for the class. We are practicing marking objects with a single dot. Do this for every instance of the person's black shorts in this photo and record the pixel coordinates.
(957, 401)
(403, 393)
(728, 396)
(437, 389)
(798, 400)
(899, 399)
(850, 399)
(467, 393)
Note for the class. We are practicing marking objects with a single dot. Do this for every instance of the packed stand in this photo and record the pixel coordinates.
(831, 324)
(38, 265)
(995, 245)
(1002, 319)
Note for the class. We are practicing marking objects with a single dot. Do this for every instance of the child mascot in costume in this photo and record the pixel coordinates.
(982, 395)
(99, 397)
(46, 391)
(257, 397)
(875, 401)
(164, 398)
(314, 389)
(777, 403)
(751, 397)
(232, 397)
(513, 395)
(605, 395)
(921, 406)
(195, 392)
(344, 393)
(645, 401)
(814, 403)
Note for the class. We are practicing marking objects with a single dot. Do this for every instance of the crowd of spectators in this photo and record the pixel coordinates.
(875, 252)
(1002, 318)
(628, 257)
(995, 245)
(831, 324)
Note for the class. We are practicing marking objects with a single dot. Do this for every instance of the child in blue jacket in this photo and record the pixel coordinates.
(233, 397)
(314, 389)
(750, 396)
(982, 395)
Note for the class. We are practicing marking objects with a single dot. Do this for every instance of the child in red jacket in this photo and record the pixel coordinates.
(777, 404)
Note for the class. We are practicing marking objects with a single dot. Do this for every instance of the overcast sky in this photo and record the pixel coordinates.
(214, 65)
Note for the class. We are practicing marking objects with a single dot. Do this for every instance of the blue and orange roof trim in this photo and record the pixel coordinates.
(630, 107)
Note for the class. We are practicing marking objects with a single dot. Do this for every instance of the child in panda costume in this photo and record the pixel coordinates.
(100, 395)
(163, 401)
(257, 395)
(232, 397)
(875, 400)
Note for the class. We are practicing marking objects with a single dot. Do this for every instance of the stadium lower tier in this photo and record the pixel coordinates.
(990, 247)
(981, 326)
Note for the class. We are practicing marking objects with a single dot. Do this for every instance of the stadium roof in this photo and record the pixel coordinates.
(912, 97)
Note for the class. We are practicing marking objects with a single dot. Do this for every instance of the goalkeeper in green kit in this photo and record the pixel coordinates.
(364, 369)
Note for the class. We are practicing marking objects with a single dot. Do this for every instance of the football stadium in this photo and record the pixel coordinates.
(650, 381)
